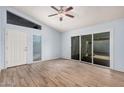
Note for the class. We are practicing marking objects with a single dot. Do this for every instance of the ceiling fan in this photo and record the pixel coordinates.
(62, 12)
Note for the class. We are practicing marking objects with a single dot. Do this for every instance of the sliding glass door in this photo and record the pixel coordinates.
(101, 47)
(86, 48)
(95, 48)
(36, 48)
(75, 48)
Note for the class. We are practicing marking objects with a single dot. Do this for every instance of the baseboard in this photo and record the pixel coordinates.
(50, 59)
(0, 69)
(120, 69)
(34, 62)
(64, 58)
(71, 59)
(46, 60)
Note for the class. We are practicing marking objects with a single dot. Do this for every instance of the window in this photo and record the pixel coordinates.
(36, 48)
(17, 20)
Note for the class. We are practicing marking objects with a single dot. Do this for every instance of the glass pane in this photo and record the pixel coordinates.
(75, 47)
(101, 46)
(86, 48)
(17, 20)
(36, 48)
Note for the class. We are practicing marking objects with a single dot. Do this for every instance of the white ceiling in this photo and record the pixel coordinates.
(84, 16)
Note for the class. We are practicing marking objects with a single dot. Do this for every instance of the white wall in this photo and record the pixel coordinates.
(51, 41)
(117, 27)
(51, 46)
(0, 37)
(2, 30)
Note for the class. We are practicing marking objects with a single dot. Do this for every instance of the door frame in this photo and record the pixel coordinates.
(111, 47)
(6, 47)
(91, 47)
(111, 31)
(79, 48)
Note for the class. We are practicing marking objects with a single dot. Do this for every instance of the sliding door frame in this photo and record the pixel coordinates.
(79, 47)
(111, 51)
(91, 47)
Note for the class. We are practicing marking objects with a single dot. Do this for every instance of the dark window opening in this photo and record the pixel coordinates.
(17, 20)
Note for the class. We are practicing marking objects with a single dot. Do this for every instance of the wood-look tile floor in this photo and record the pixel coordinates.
(60, 73)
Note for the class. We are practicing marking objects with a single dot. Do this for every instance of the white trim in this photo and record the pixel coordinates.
(80, 47)
(92, 49)
(112, 49)
(120, 69)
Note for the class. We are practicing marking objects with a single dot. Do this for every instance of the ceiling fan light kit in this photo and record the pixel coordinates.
(62, 12)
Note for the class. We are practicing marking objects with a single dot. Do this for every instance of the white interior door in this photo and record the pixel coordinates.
(16, 48)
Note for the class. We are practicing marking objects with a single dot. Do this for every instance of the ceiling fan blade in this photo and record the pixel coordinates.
(68, 9)
(69, 15)
(54, 8)
(61, 18)
(52, 15)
